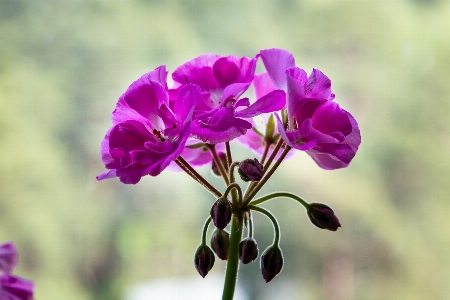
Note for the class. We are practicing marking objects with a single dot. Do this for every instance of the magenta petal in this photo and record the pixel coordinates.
(318, 85)
(107, 175)
(282, 132)
(225, 71)
(144, 96)
(295, 91)
(262, 85)
(186, 101)
(326, 162)
(277, 61)
(198, 71)
(234, 90)
(15, 288)
(159, 74)
(8, 257)
(273, 101)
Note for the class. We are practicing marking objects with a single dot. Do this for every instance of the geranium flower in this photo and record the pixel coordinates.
(147, 135)
(317, 125)
(218, 114)
(15, 288)
(12, 287)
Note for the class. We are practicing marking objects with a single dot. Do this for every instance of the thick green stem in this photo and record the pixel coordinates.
(231, 273)
(277, 195)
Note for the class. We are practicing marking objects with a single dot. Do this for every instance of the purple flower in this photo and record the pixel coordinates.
(15, 288)
(316, 124)
(271, 262)
(8, 257)
(147, 134)
(12, 287)
(219, 112)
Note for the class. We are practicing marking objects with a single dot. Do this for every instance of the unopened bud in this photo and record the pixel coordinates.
(214, 167)
(271, 262)
(251, 170)
(220, 241)
(221, 213)
(323, 216)
(248, 250)
(203, 260)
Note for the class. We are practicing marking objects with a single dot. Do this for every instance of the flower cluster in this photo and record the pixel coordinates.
(193, 122)
(12, 287)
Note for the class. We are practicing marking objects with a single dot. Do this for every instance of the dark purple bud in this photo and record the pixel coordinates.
(220, 241)
(250, 170)
(221, 213)
(223, 159)
(204, 260)
(248, 250)
(271, 262)
(323, 216)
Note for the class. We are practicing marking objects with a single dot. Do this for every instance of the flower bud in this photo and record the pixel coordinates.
(214, 167)
(203, 260)
(220, 241)
(323, 216)
(250, 170)
(271, 262)
(248, 250)
(221, 213)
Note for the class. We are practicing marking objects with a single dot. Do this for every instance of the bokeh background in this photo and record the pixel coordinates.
(63, 64)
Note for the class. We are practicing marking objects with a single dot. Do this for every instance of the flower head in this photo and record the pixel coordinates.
(147, 134)
(220, 241)
(219, 112)
(251, 170)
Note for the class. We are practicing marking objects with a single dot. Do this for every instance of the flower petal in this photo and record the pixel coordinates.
(262, 85)
(8, 257)
(277, 61)
(186, 101)
(225, 71)
(273, 101)
(318, 85)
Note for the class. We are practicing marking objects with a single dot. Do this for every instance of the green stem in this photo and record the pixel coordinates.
(231, 273)
(276, 240)
(277, 195)
(250, 227)
(199, 178)
(205, 230)
(266, 177)
(233, 165)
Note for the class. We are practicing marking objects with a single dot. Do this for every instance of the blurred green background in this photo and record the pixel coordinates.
(63, 64)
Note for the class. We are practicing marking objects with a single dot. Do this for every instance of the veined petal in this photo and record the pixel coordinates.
(318, 85)
(326, 162)
(198, 71)
(234, 90)
(295, 91)
(273, 101)
(186, 101)
(276, 62)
